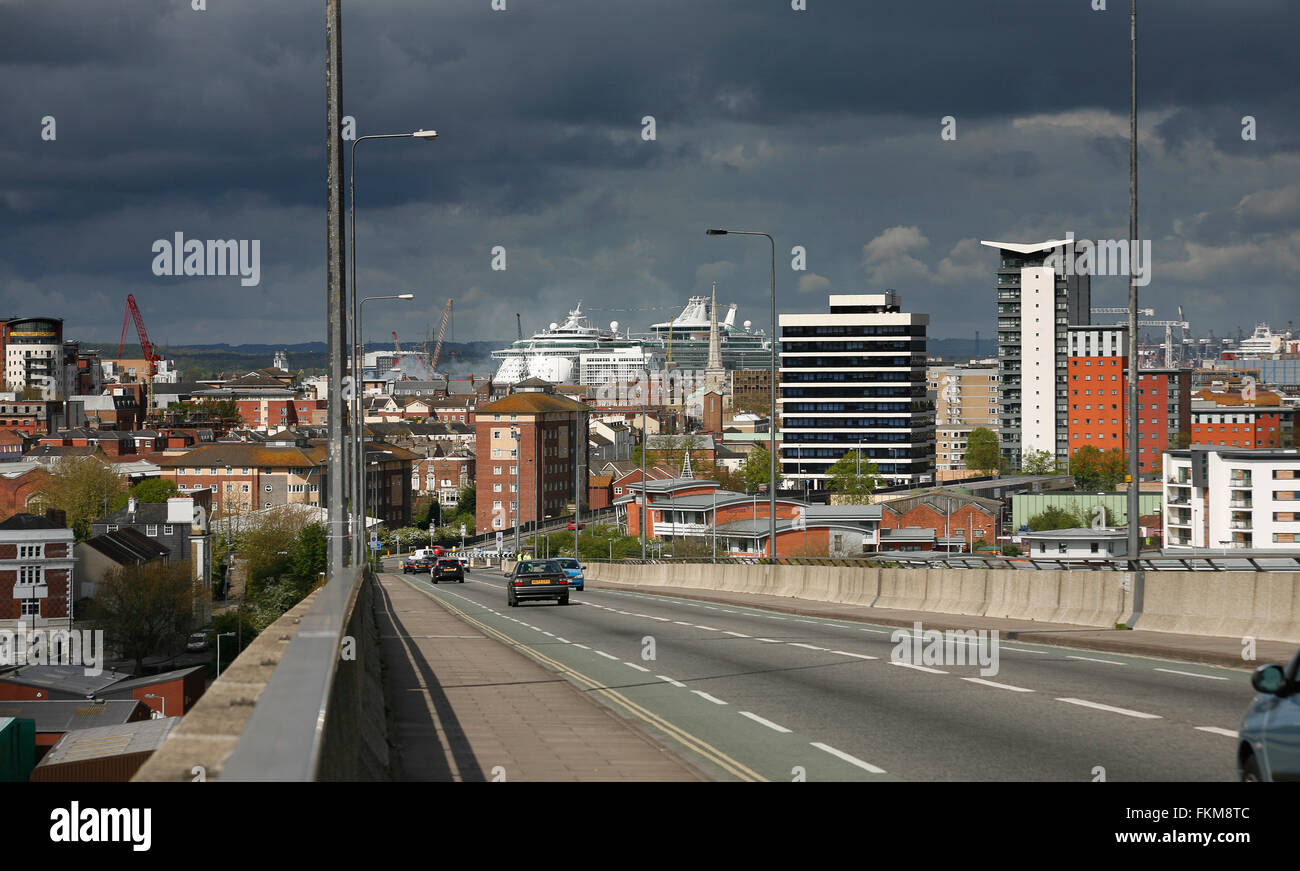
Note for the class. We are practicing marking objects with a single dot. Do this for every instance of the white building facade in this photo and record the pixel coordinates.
(1231, 499)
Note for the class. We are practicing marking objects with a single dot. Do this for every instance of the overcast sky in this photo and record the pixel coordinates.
(821, 127)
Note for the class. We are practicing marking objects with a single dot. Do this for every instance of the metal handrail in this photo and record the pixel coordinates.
(283, 738)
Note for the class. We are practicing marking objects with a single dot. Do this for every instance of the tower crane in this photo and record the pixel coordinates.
(1169, 335)
(146, 348)
(442, 331)
(397, 348)
(1113, 310)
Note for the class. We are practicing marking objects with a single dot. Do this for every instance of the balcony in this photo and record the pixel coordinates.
(1243, 504)
(1239, 481)
(1239, 524)
(1178, 500)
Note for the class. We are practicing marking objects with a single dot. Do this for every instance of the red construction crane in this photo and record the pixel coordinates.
(133, 312)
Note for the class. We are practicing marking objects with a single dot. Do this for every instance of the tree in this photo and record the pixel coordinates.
(1182, 440)
(155, 490)
(982, 453)
(1054, 517)
(84, 489)
(1038, 463)
(854, 475)
(1097, 470)
(757, 469)
(142, 607)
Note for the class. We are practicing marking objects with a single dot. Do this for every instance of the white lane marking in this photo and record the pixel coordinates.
(737, 634)
(1001, 686)
(705, 628)
(1215, 730)
(773, 617)
(637, 667)
(918, 667)
(1191, 674)
(675, 683)
(768, 723)
(681, 623)
(708, 698)
(1023, 650)
(544, 632)
(604, 654)
(583, 646)
(854, 655)
(814, 622)
(770, 640)
(808, 646)
(1100, 707)
(562, 640)
(852, 760)
(1091, 659)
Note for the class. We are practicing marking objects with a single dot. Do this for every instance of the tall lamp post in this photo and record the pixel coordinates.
(358, 441)
(427, 136)
(771, 427)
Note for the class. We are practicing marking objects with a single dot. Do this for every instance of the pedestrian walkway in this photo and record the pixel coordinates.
(464, 706)
(1211, 650)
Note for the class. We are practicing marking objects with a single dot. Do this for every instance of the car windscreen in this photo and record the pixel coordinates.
(537, 567)
(568, 563)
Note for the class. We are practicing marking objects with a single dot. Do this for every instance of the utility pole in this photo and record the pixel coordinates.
(1133, 502)
(335, 291)
(645, 448)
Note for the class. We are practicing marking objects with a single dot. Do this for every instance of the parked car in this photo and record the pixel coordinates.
(448, 569)
(1268, 747)
(417, 564)
(579, 526)
(573, 569)
(199, 641)
(537, 579)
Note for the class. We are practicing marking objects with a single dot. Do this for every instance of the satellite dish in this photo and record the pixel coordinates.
(554, 325)
(613, 326)
(748, 324)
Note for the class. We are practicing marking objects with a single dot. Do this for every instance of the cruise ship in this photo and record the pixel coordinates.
(684, 339)
(574, 352)
(1263, 342)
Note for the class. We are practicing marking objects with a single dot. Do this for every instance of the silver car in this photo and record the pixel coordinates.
(1269, 745)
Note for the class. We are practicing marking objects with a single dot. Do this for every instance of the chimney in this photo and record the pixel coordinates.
(56, 515)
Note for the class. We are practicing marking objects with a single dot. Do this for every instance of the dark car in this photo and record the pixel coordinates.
(448, 570)
(1268, 746)
(537, 579)
(415, 564)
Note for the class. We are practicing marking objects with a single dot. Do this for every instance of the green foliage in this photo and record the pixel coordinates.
(1011, 550)
(853, 475)
(1079, 517)
(141, 608)
(1038, 463)
(155, 490)
(982, 453)
(756, 470)
(1096, 470)
(85, 489)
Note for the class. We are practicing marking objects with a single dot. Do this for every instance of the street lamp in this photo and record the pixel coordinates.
(163, 700)
(427, 136)
(771, 428)
(359, 446)
(221, 635)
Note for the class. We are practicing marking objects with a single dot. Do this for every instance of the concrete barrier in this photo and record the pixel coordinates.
(1265, 605)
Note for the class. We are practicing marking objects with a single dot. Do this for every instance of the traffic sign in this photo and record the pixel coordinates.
(462, 530)
(500, 539)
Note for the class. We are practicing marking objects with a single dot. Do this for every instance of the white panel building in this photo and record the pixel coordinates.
(1231, 499)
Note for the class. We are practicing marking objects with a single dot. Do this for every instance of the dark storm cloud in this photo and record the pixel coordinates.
(820, 127)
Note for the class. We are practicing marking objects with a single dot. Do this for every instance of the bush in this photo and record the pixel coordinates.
(1011, 550)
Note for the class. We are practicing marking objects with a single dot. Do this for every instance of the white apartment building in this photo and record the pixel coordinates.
(33, 355)
(854, 379)
(1035, 306)
(614, 366)
(1216, 498)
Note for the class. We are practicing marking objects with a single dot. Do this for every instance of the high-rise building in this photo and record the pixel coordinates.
(966, 398)
(1035, 306)
(34, 354)
(854, 379)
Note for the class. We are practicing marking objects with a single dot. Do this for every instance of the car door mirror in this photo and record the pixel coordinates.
(1268, 679)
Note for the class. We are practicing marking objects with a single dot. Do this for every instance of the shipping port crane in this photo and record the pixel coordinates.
(150, 355)
(442, 331)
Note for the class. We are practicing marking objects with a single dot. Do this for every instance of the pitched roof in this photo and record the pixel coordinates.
(531, 403)
(128, 546)
(30, 521)
(125, 739)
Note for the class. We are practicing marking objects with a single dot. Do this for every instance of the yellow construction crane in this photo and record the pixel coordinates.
(442, 331)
